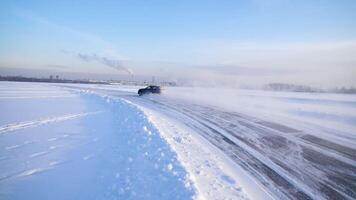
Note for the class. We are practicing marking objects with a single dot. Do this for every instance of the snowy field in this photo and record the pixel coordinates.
(56, 144)
(62, 141)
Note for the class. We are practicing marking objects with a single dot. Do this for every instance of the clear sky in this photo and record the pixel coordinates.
(246, 39)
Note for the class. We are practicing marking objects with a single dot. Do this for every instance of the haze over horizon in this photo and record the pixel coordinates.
(248, 42)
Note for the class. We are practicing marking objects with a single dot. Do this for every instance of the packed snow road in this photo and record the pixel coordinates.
(300, 160)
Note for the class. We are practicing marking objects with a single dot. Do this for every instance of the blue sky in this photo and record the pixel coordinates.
(140, 34)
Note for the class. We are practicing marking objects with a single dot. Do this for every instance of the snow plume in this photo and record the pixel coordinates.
(113, 63)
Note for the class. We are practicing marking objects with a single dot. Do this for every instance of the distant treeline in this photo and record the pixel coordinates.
(47, 80)
(303, 88)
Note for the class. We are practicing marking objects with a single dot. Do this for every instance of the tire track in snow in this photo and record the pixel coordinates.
(28, 124)
(335, 188)
(36, 97)
(33, 171)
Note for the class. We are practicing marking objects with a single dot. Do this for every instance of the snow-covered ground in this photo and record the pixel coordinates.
(62, 141)
(56, 144)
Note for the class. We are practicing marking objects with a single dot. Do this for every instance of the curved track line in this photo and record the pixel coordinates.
(27, 124)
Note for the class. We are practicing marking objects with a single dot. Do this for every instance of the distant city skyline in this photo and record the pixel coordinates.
(220, 42)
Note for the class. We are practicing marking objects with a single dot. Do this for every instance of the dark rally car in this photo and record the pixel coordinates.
(152, 89)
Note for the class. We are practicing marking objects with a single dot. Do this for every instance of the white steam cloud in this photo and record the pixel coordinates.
(113, 63)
